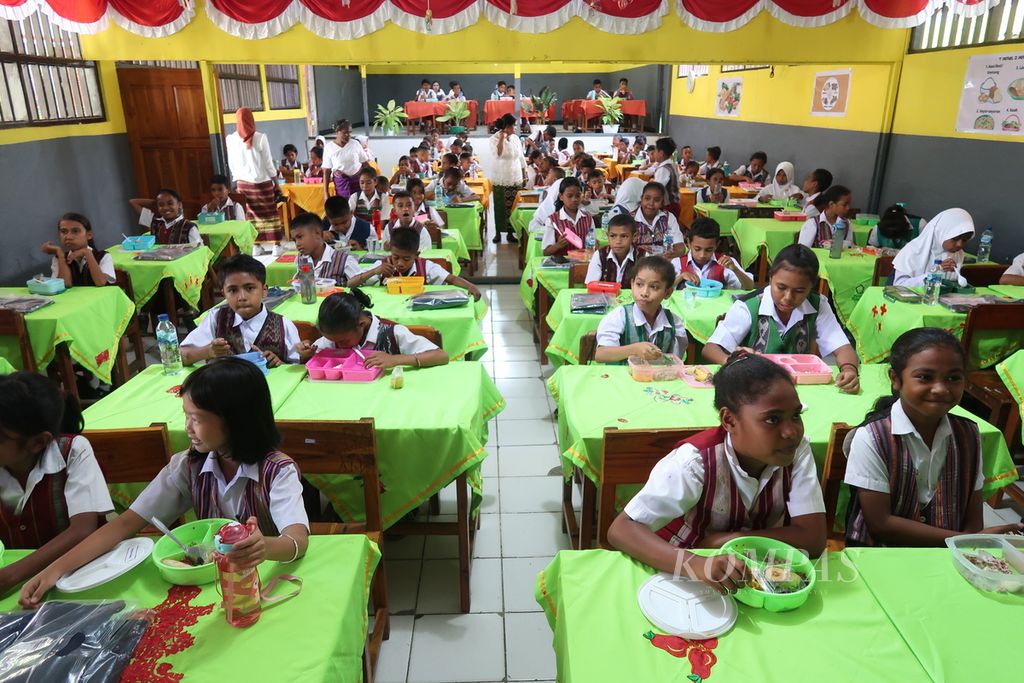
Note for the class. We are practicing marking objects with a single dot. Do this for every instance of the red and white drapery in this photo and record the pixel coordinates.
(348, 19)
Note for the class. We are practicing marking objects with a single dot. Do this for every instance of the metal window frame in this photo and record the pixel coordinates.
(944, 30)
(288, 81)
(223, 77)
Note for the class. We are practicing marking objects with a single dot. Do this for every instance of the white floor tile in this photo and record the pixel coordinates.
(393, 661)
(525, 409)
(531, 494)
(439, 587)
(515, 369)
(521, 388)
(510, 314)
(486, 544)
(518, 326)
(403, 584)
(526, 433)
(405, 548)
(528, 647)
(535, 534)
(519, 577)
(514, 339)
(529, 461)
(454, 648)
(504, 353)
(489, 467)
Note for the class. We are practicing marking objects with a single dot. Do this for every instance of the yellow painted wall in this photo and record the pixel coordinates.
(929, 93)
(494, 67)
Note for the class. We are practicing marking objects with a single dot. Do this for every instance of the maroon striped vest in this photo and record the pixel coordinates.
(386, 340)
(334, 269)
(256, 500)
(581, 227)
(418, 269)
(175, 234)
(948, 506)
(610, 269)
(720, 507)
(824, 231)
(45, 514)
(715, 272)
(271, 336)
(653, 234)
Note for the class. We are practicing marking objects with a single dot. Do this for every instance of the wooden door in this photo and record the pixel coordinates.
(165, 114)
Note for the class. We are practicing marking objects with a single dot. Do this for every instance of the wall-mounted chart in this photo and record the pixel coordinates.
(992, 100)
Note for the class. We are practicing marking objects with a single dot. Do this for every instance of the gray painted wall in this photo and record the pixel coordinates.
(280, 133)
(44, 179)
(339, 95)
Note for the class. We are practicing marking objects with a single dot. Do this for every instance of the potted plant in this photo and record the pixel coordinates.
(541, 102)
(458, 111)
(389, 118)
(612, 116)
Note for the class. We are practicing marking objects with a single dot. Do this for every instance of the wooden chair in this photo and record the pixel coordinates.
(128, 456)
(132, 333)
(832, 476)
(578, 275)
(983, 274)
(435, 237)
(588, 348)
(308, 332)
(985, 386)
(883, 271)
(12, 324)
(336, 447)
(629, 457)
(442, 261)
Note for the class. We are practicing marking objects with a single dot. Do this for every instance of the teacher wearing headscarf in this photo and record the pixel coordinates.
(508, 174)
(254, 172)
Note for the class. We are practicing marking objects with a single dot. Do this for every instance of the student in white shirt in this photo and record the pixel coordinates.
(422, 211)
(652, 223)
(456, 91)
(833, 205)
(220, 189)
(714, 192)
(168, 223)
(597, 92)
(942, 239)
(614, 262)
(782, 186)
(1014, 275)
(343, 159)
(227, 410)
(546, 206)
(702, 260)
(76, 260)
(425, 93)
(712, 159)
(569, 225)
(405, 217)
(816, 182)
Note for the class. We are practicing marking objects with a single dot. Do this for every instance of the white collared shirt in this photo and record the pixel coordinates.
(346, 160)
(552, 234)
(1016, 268)
(705, 167)
(408, 343)
(353, 201)
(809, 231)
(545, 208)
(673, 224)
(735, 327)
(194, 236)
(322, 267)
(611, 327)
(84, 491)
(232, 211)
(594, 269)
(206, 331)
(662, 172)
(428, 212)
(169, 496)
(732, 281)
(435, 275)
(866, 469)
(676, 485)
(106, 265)
(425, 241)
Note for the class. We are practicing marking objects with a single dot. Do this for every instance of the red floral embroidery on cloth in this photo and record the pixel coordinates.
(102, 358)
(699, 652)
(879, 312)
(166, 636)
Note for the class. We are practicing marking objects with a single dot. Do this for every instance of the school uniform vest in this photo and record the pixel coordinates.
(45, 514)
(254, 503)
(609, 268)
(271, 336)
(580, 227)
(80, 275)
(705, 195)
(653, 234)
(948, 506)
(174, 234)
(824, 232)
(720, 507)
(715, 272)
(764, 334)
(386, 340)
(420, 265)
(335, 268)
(664, 339)
(364, 209)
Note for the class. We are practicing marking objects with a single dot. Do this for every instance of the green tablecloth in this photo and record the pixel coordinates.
(590, 600)
(876, 322)
(956, 632)
(242, 233)
(90, 320)
(1011, 371)
(753, 233)
(280, 273)
(1013, 291)
(568, 327)
(460, 330)
(467, 221)
(187, 272)
(427, 433)
(553, 279)
(848, 277)
(330, 612)
(593, 397)
(520, 218)
(453, 241)
(5, 367)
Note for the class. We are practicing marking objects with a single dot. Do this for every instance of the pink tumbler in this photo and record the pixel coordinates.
(240, 588)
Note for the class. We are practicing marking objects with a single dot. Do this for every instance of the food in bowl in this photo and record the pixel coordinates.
(778, 579)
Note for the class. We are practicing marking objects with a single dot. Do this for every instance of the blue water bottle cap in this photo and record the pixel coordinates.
(162, 316)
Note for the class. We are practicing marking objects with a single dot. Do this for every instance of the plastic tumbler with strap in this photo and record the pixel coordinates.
(240, 588)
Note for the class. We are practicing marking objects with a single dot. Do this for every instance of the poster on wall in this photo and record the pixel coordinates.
(992, 100)
(730, 92)
(831, 93)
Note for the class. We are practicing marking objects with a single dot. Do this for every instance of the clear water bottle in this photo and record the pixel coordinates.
(590, 243)
(838, 238)
(307, 282)
(668, 241)
(933, 284)
(167, 341)
(985, 248)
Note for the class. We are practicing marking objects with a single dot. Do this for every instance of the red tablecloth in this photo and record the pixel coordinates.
(495, 109)
(581, 111)
(419, 110)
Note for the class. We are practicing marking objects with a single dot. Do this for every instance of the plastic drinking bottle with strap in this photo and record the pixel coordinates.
(239, 588)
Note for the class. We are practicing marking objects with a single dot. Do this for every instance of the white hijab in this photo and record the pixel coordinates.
(629, 193)
(777, 191)
(921, 252)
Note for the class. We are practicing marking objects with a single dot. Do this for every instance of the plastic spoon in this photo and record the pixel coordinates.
(194, 554)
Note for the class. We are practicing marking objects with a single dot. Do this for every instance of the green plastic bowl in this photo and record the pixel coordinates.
(201, 531)
(753, 551)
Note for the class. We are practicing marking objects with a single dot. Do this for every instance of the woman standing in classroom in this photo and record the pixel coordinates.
(254, 171)
(509, 174)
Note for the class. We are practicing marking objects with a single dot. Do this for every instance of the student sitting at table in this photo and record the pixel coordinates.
(754, 171)
(52, 492)
(942, 239)
(786, 318)
(422, 211)
(637, 153)
(383, 187)
(563, 151)
(712, 159)
(915, 471)
(328, 262)
(816, 182)
(76, 260)
(690, 171)
(346, 323)
(169, 223)
(220, 190)
(468, 167)
(614, 262)
(833, 204)
(448, 160)
(782, 187)
(404, 210)
(455, 91)
(453, 190)
(893, 230)
(315, 167)
(366, 201)
(425, 93)
(532, 170)
(568, 225)
(439, 93)
(243, 323)
(232, 469)
(597, 92)
(341, 227)
(404, 173)
(420, 165)
(595, 190)
(546, 206)
(714, 192)
(653, 223)
(702, 260)
(665, 171)
(1014, 275)
(754, 475)
(499, 91)
(685, 155)
(623, 91)
(405, 261)
(289, 162)
(627, 197)
(643, 328)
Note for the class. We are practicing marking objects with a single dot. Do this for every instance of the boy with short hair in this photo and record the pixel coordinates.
(289, 163)
(220, 189)
(405, 217)
(343, 227)
(712, 159)
(405, 261)
(614, 262)
(703, 260)
(597, 92)
(665, 171)
(328, 262)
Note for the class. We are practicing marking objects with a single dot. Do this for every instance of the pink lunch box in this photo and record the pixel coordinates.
(339, 365)
(806, 368)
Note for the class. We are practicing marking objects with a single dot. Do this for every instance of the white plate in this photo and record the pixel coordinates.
(687, 608)
(107, 567)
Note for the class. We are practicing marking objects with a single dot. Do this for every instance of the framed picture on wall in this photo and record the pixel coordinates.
(728, 97)
(831, 93)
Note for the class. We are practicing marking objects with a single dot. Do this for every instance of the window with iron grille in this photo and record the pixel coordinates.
(946, 30)
(240, 87)
(283, 86)
(45, 79)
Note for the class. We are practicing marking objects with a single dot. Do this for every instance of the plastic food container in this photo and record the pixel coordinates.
(866, 219)
(340, 365)
(325, 286)
(1007, 551)
(256, 358)
(666, 368)
(201, 533)
(211, 218)
(138, 243)
(757, 552)
(708, 289)
(577, 255)
(601, 287)
(405, 285)
(315, 180)
(806, 368)
(790, 216)
(48, 286)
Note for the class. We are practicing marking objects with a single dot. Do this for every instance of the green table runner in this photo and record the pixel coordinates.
(280, 273)
(242, 233)
(1012, 291)
(753, 233)
(453, 241)
(956, 632)
(428, 432)
(848, 277)
(5, 367)
(568, 328)
(466, 220)
(187, 272)
(876, 322)
(520, 218)
(593, 397)
(1011, 371)
(590, 600)
(460, 330)
(330, 613)
(553, 279)
(90, 320)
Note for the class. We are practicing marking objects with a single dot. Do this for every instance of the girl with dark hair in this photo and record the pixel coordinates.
(833, 204)
(567, 227)
(232, 469)
(168, 224)
(894, 229)
(76, 260)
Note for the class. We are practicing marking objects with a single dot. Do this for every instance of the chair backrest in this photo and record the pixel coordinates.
(991, 317)
(435, 238)
(123, 280)
(629, 457)
(588, 348)
(832, 475)
(578, 275)
(337, 447)
(883, 270)
(128, 456)
(442, 261)
(308, 332)
(12, 324)
(239, 198)
(983, 274)
(429, 333)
